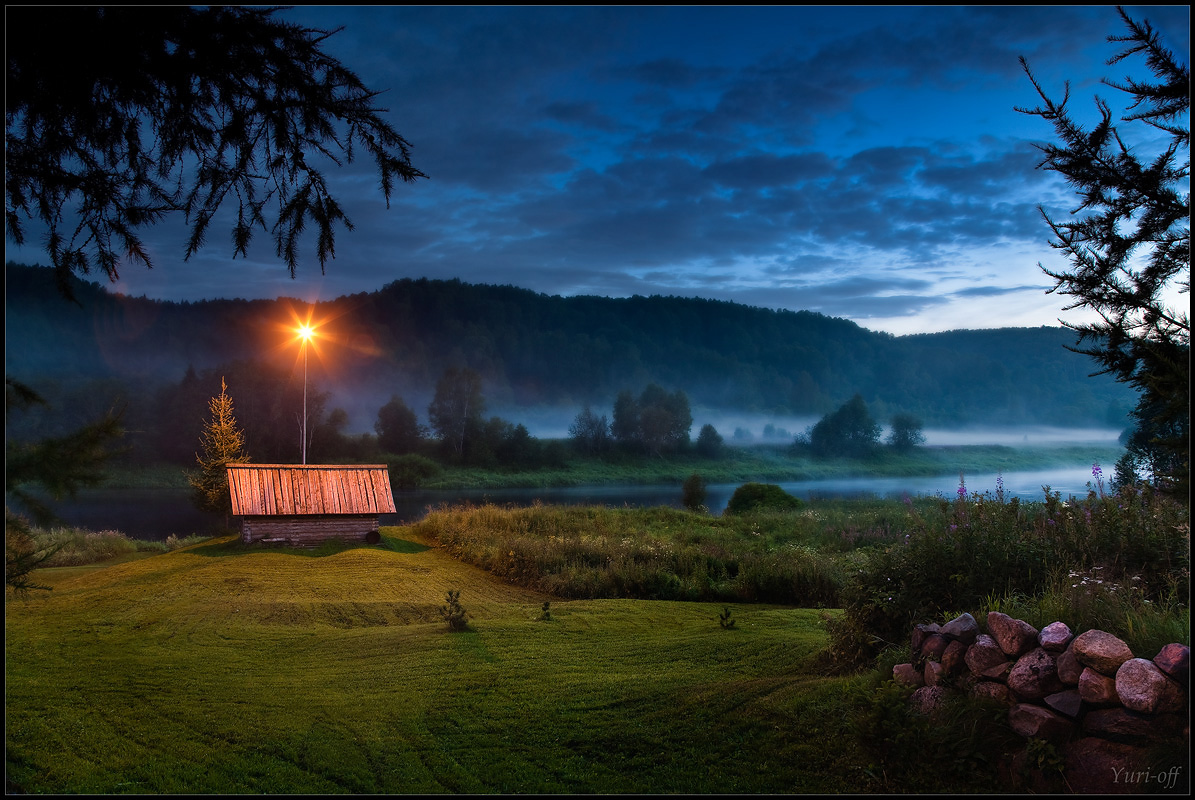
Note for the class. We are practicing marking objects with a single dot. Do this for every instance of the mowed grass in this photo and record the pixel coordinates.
(224, 669)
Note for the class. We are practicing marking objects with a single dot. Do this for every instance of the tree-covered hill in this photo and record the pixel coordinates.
(535, 350)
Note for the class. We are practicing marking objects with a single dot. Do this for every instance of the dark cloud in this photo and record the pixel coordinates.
(861, 162)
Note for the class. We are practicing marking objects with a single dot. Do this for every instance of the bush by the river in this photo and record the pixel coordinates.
(751, 497)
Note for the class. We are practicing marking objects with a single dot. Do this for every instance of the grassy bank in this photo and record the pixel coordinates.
(221, 669)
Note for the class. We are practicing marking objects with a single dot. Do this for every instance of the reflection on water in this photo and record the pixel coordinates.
(154, 514)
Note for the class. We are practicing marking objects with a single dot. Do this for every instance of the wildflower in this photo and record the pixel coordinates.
(1098, 474)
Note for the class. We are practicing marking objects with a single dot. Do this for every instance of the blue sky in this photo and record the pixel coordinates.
(861, 162)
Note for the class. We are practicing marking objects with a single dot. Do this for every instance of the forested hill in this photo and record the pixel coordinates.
(535, 350)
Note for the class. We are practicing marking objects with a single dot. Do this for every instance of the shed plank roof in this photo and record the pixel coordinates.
(286, 489)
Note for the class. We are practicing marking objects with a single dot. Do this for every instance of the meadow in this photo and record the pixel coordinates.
(604, 650)
(216, 669)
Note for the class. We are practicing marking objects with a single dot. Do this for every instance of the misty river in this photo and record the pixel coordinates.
(154, 514)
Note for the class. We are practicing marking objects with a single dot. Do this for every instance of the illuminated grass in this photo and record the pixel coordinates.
(218, 668)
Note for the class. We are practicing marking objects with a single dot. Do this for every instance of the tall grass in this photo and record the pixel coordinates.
(976, 548)
(889, 565)
(658, 554)
(73, 547)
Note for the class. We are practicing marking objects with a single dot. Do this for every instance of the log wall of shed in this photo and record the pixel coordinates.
(306, 531)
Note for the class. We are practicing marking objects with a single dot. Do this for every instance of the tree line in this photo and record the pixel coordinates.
(534, 350)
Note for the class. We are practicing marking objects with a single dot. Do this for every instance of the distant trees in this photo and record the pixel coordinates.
(625, 424)
(456, 409)
(709, 441)
(906, 432)
(456, 417)
(398, 428)
(173, 111)
(269, 401)
(1130, 251)
(222, 443)
(538, 350)
(848, 431)
(590, 434)
(657, 421)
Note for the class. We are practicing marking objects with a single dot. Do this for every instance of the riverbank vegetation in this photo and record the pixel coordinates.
(770, 463)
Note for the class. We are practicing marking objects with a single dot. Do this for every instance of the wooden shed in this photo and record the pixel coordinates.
(307, 505)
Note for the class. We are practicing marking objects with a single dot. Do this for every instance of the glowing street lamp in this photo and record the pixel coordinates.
(305, 333)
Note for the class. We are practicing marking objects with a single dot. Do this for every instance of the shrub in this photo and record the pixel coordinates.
(411, 470)
(693, 493)
(751, 497)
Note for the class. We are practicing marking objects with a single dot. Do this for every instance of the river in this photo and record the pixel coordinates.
(154, 514)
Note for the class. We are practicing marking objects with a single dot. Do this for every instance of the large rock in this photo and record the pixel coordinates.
(963, 628)
(1037, 722)
(1143, 687)
(1097, 688)
(1055, 637)
(933, 647)
(984, 654)
(907, 675)
(1098, 766)
(920, 634)
(1068, 703)
(934, 673)
(1175, 660)
(1120, 724)
(953, 658)
(1069, 668)
(1034, 676)
(1015, 637)
(994, 691)
(1101, 651)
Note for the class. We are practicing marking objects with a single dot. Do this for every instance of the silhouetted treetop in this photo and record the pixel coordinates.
(116, 117)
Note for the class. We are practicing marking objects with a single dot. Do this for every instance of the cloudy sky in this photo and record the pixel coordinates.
(862, 162)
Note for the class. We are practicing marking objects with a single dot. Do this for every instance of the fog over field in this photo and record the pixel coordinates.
(554, 424)
(1036, 435)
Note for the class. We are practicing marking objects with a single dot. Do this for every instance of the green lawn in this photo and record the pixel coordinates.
(221, 669)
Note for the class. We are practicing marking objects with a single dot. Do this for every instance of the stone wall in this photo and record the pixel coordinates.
(1102, 707)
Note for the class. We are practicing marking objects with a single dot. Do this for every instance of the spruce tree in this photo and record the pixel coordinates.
(223, 444)
(1128, 242)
